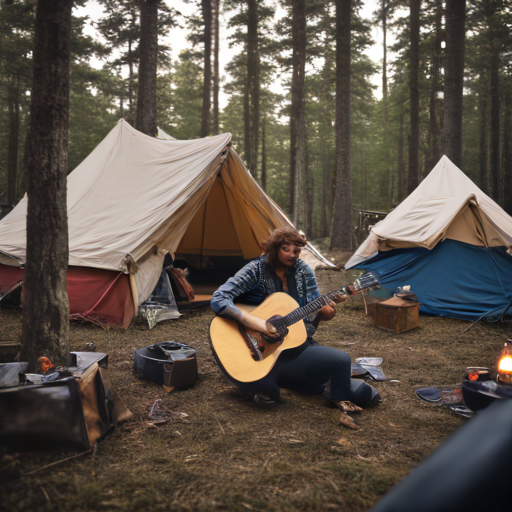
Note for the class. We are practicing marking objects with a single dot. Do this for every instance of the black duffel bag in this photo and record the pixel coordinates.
(168, 363)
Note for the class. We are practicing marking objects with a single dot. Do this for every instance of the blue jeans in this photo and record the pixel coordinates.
(307, 369)
(317, 366)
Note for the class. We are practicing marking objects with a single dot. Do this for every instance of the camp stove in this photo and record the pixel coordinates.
(505, 364)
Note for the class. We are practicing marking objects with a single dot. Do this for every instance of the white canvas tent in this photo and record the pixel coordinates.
(448, 240)
(135, 198)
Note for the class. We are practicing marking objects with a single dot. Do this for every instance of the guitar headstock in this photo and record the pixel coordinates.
(367, 282)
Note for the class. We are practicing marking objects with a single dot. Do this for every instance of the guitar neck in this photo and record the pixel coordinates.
(366, 282)
(310, 308)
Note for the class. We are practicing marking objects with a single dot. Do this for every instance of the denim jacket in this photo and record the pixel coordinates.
(257, 280)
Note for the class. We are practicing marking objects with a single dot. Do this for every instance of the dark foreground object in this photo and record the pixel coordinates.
(470, 471)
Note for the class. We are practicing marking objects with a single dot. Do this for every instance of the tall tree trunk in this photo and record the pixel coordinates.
(24, 165)
(364, 176)
(495, 117)
(433, 132)
(253, 73)
(131, 74)
(309, 197)
(389, 171)
(414, 25)
(298, 146)
(216, 75)
(384, 8)
(341, 227)
(507, 154)
(12, 152)
(146, 97)
(454, 80)
(45, 304)
(121, 94)
(401, 160)
(247, 123)
(326, 185)
(327, 180)
(263, 155)
(326, 132)
(207, 65)
(483, 133)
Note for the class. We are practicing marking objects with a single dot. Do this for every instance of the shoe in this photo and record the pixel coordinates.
(264, 400)
(346, 406)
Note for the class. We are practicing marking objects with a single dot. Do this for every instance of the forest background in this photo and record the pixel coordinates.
(258, 97)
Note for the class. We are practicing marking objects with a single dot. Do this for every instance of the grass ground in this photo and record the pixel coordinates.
(230, 454)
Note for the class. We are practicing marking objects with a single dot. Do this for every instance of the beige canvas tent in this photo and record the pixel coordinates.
(449, 241)
(136, 198)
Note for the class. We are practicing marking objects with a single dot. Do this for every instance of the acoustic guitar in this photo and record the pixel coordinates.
(247, 355)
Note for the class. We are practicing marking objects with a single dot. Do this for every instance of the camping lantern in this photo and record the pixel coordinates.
(505, 364)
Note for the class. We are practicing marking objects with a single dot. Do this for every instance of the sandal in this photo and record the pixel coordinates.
(347, 406)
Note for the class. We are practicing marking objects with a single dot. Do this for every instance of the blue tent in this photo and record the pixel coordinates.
(453, 279)
(450, 242)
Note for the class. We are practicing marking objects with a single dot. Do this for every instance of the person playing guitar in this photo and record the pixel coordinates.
(308, 368)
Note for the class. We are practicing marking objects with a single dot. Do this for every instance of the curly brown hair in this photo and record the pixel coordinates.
(279, 237)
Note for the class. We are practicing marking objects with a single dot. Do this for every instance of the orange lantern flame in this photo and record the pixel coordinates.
(505, 364)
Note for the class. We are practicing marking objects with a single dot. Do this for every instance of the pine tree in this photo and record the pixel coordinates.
(45, 304)
(148, 54)
(341, 228)
(453, 80)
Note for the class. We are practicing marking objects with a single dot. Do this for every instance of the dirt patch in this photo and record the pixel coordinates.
(230, 454)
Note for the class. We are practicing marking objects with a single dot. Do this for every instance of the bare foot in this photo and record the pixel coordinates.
(348, 421)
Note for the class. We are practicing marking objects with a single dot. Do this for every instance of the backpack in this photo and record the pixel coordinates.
(181, 288)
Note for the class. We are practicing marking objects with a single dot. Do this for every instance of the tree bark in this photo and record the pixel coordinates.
(12, 151)
(495, 117)
(253, 73)
(341, 227)
(309, 196)
(483, 134)
(146, 96)
(454, 80)
(45, 304)
(507, 155)
(247, 123)
(389, 171)
(298, 145)
(364, 174)
(433, 132)
(216, 75)
(414, 25)
(324, 208)
(384, 65)
(131, 63)
(401, 160)
(207, 65)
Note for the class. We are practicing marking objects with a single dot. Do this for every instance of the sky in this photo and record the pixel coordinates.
(177, 37)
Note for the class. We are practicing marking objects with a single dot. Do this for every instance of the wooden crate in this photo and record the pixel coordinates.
(395, 314)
